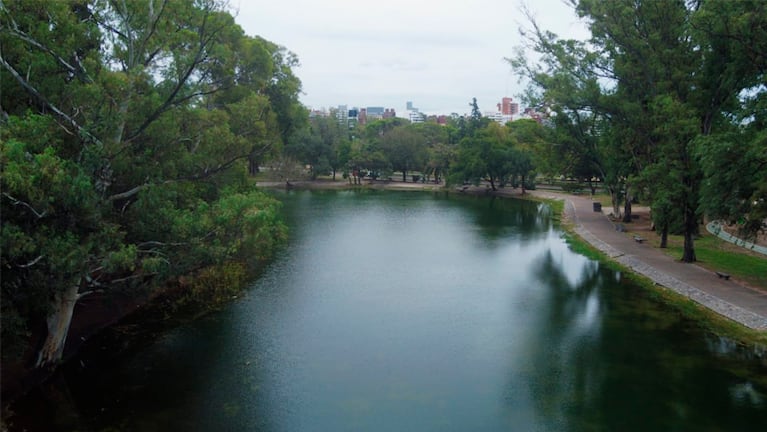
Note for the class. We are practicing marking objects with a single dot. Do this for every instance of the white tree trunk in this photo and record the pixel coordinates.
(58, 321)
(615, 203)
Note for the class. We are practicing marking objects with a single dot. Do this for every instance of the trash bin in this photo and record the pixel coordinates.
(597, 207)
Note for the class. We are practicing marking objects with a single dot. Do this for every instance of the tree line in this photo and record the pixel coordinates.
(470, 149)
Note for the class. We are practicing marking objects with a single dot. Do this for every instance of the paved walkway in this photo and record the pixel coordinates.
(726, 297)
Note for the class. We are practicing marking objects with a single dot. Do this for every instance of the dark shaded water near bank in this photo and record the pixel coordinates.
(396, 311)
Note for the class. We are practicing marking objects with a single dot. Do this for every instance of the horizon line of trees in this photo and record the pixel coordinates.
(466, 149)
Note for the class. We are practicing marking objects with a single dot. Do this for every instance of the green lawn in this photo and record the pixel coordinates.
(716, 254)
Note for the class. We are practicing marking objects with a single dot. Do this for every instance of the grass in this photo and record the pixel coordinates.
(716, 254)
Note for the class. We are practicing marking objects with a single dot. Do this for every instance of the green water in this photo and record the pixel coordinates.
(416, 312)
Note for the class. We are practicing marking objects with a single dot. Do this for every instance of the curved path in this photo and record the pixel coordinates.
(726, 297)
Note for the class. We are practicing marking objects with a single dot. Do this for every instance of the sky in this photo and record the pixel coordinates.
(439, 54)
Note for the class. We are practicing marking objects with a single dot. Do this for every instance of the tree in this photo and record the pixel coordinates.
(492, 155)
(404, 148)
(670, 72)
(582, 143)
(319, 145)
(147, 185)
(732, 36)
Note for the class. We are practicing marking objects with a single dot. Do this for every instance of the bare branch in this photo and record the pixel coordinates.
(79, 71)
(136, 276)
(159, 243)
(205, 174)
(15, 201)
(36, 94)
(129, 193)
(31, 263)
(87, 293)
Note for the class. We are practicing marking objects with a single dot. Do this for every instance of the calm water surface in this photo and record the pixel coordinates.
(416, 312)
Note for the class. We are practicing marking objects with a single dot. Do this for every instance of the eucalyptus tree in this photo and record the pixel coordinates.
(672, 74)
(571, 80)
(733, 149)
(681, 68)
(126, 133)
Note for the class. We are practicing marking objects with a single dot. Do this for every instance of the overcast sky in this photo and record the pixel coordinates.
(437, 54)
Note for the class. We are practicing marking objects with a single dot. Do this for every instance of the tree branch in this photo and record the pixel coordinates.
(36, 94)
(206, 173)
(79, 71)
(31, 263)
(15, 201)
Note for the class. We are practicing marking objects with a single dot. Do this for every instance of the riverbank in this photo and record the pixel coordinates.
(728, 298)
(106, 324)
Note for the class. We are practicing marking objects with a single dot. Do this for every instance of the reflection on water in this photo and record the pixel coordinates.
(405, 311)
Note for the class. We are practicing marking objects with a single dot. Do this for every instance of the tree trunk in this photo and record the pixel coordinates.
(253, 165)
(404, 176)
(58, 322)
(627, 207)
(614, 202)
(664, 237)
(690, 229)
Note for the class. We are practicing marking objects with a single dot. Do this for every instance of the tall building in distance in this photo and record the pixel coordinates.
(508, 107)
(342, 114)
(414, 114)
(375, 112)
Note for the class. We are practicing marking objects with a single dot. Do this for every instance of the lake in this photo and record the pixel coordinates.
(407, 311)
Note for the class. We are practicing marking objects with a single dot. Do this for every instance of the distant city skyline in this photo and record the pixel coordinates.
(439, 56)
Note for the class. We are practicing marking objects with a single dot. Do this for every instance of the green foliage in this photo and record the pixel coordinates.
(323, 144)
(496, 154)
(640, 104)
(212, 286)
(150, 182)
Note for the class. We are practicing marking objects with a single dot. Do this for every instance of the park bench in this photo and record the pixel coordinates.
(638, 239)
(725, 276)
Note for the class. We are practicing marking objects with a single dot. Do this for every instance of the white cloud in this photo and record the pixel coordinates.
(437, 54)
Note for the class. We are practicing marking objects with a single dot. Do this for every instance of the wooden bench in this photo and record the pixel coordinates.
(725, 276)
(638, 239)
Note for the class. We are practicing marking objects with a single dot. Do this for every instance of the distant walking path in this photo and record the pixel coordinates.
(726, 297)
(715, 228)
